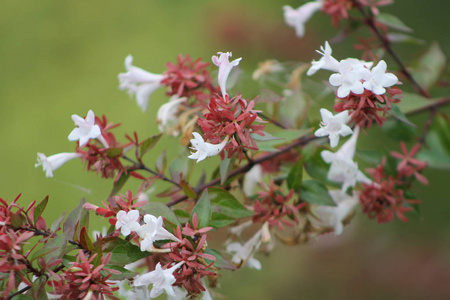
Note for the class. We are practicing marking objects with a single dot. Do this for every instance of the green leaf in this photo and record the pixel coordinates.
(85, 240)
(123, 252)
(161, 162)
(225, 166)
(294, 179)
(148, 144)
(55, 226)
(124, 273)
(54, 249)
(396, 37)
(435, 159)
(225, 203)
(119, 183)
(40, 209)
(23, 297)
(284, 136)
(178, 166)
(396, 113)
(398, 130)
(188, 191)
(315, 192)
(393, 22)
(221, 262)
(203, 210)
(266, 137)
(372, 157)
(411, 102)
(114, 152)
(430, 66)
(441, 126)
(219, 220)
(72, 220)
(160, 209)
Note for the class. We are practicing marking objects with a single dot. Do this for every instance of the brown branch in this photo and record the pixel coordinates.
(273, 121)
(369, 20)
(297, 143)
(430, 106)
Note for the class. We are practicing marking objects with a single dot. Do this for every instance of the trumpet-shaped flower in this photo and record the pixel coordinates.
(127, 221)
(351, 72)
(244, 253)
(326, 62)
(343, 168)
(152, 231)
(167, 113)
(139, 82)
(334, 216)
(51, 163)
(377, 80)
(333, 126)
(225, 66)
(298, 17)
(162, 280)
(204, 149)
(86, 130)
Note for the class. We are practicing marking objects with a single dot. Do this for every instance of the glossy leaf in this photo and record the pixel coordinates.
(224, 202)
(120, 183)
(124, 273)
(393, 22)
(295, 175)
(40, 209)
(160, 209)
(225, 166)
(219, 220)
(114, 152)
(398, 130)
(313, 191)
(73, 219)
(203, 210)
(148, 144)
(430, 66)
(85, 240)
(188, 191)
(123, 252)
(221, 262)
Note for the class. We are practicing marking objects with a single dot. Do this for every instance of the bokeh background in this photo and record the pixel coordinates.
(60, 58)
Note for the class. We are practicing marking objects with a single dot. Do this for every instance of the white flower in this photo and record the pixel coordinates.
(377, 80)
(244, 253)
(152, 231)
(343, 168)
(86, 130)
(139, 82)
(51, 163)
(225, 66)
(251, 179)
(127, 221)
(204, 149)
(162, 280)
(178, 294)
(326, 62)
(351, 72)
(167, 114)
(333, 216)
(333, 126)
(298, 17)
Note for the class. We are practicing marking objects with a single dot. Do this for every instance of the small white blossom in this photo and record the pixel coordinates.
(152, 231)
(86, 130)
(351, 72)
(127, 221)
(139, 82)
(162, 280)
(298, 17)
(377, 80)
(225, 66)
(343, 168)
(244, 253)
(51, 163)
(251, 179)
(204, 149)
(326, 62)
(333, 216)
(333, 126)
(167, 114)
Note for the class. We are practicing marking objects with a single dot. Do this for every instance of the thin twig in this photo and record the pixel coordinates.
(438, 103)
(273, 121)
(369, 20)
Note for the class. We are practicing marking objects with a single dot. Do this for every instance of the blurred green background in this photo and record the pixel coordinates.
(60, 58)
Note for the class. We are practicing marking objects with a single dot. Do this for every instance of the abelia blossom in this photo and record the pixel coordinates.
(343, 168)
(152, 231)
(244, 252)
(351, 72)
(127, 221)
(162, 280)
(333, 126)
(326, 62)
(334, 216)
(167, 114)
(225, 66)
(298, 17)
(52, 163)
(139, 82)
(377, 80)
(86, 130)
(204, 149)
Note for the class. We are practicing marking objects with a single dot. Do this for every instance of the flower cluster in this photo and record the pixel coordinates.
(361, 87)
(389, 195)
